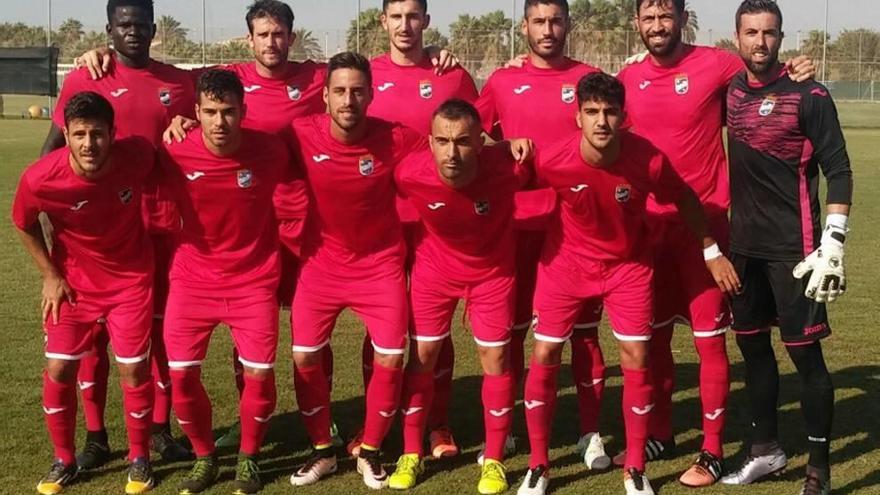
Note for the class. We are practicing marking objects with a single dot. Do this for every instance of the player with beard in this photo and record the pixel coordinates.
(675, 99)
(145, 95)
(538, 101)
(781, 135)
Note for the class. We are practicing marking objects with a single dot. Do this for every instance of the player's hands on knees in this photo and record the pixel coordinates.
(801, 68)
(522, 150)
(55, 291)
(442, 59)
(516, 62)
(725, 275)
(828, 281)
(97, 61)
(176, 131)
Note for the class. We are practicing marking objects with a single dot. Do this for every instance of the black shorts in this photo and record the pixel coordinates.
(772, 296)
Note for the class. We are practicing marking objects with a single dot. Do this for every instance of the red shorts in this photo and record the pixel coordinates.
(190, 320)
(565, 286)
(377, 296)
(528, 254)
(488, 303)
(685, 291)
(128, 319)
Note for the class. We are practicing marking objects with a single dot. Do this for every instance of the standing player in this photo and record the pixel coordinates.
(596, 252)
(101, 266)
(225, 270)
(145, 95)
(781, 134)
(538, 101)
(675, 99)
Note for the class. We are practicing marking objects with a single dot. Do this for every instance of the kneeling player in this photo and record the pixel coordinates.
(101, 266)
(225, 270)
(596, 253)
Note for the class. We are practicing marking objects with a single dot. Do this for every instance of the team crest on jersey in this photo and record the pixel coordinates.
(245, 178)
(568, 93)
(294, 93)
(365, 165)
(126, 195)
(165, 96)
(623, 193)
(682, 84)
(481, 208)
(767, 106)
(426, 91)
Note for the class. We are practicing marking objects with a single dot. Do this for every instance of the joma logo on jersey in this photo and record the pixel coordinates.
(568, 93)
(767, 106)
(245, 178)
(294, 93)
(682, 84)
(623, 193)
(426, 91)
(481, 207)
(126, 195)
(165, 96)
(366, 166)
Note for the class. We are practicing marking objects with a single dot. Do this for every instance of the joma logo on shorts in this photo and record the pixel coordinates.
(815, 329)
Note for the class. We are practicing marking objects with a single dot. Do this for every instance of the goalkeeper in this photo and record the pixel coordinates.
(781, 135)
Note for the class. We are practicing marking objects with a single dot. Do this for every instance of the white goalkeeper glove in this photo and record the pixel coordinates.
(828, 281)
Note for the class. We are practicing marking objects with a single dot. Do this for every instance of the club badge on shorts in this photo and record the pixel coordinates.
(365, 165)
(623, 193)
(245, 178)
(767, 106)
(682, 84)
(568, 93)
(426, 91)
(294, 93)
(481, 208)
(165, 96)
(126, 195)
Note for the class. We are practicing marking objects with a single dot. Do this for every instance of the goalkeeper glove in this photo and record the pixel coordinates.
(828, 281)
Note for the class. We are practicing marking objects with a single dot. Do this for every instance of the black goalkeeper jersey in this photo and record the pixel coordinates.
(780, 135)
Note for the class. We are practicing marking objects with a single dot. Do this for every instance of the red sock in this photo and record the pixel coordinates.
(637, 410)
(313, 396)
(161, 378)
(137, 402)
(367, 360)
(238, 370)
(714, 388)
(497, 413)
(59, 406)
(663, 380)
(439, 415)
(383, 399)
(415, 403)
(517, 356)
(94, 370)
(193, 408)
(327, 362)
(540, 404)
(255, 409)
(588, 368)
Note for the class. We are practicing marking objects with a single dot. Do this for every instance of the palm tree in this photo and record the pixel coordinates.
(70, 31)
(373, 39)
(306, 46)
(689, 32)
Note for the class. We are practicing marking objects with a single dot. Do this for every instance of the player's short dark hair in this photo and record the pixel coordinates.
(456, 109)
(422, 3)
(88, 105)
(757, 7)
(349, 60)
(217, 84)
(562, 4)
(261, 9)
(599, 86)
(112, 5)
(678, 4)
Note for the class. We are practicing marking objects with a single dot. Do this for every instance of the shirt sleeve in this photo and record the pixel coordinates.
(26, 206)
(487, 107)
(467, 90)
(533, 210)
(407, 141)
(820, 124)
(729, 65)
(668, 186)
(72, 85)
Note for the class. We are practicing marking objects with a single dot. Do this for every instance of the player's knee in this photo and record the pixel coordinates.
(810, 364)
(634, 354)
(388, 360)
(134, 374)
(494, 360)
(423, 355)
(306, 359)
(258, 373)
(754, 345)
(548, 353)
(62, 370)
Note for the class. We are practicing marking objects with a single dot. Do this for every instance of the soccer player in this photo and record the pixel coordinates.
(538, 101)
(145, 95)
(597, 251)
(782, 133)
(225, 270)
(101, 266)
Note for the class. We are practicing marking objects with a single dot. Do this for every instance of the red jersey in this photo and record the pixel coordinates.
(100, 244)
(144, 100)
(528, 102)
(411, 94)
(681, 110)
(351, 206)
(469, 231)
(602, 210)
(228, 244)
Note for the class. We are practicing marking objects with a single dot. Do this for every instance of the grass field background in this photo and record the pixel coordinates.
(851, 353)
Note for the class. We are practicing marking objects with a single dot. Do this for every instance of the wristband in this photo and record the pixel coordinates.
(712, 252)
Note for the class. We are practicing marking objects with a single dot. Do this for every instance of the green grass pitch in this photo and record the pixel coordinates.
(852, 354)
